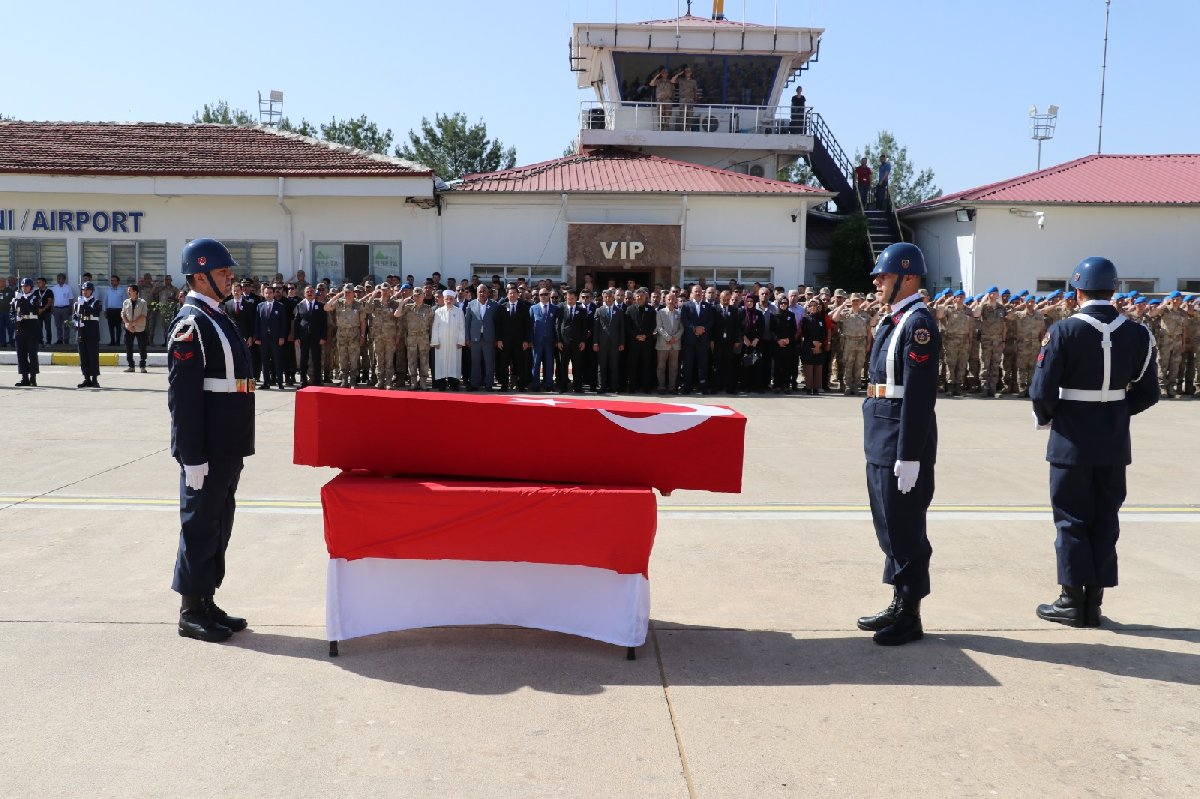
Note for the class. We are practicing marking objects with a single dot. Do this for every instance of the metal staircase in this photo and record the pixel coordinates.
(830, 165)
(883, 230)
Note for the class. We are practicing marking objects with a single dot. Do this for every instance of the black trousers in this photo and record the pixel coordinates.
(310, 355)
(1086, 501)
(570, 355)
(89, 349)
(695, 363)
(27, 346)
(113, 317)
(289, 361)
(511, 369)
(205, 525)
(272, 362)
(726, 361)
(609, 360)
(900, 528)
(140, 338)
(642, 363)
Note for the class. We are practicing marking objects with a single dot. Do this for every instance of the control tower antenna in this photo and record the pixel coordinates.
(1103, 69)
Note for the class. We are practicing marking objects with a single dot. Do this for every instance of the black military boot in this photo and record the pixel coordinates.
(33, 380)
(1070, 608)
(234, 623)
(196, 622)
(1093, 597)
(906, 626)
(24, 381)
(883, 618)
(87, 383)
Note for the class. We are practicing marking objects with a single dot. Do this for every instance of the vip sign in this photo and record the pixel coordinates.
(628, 250)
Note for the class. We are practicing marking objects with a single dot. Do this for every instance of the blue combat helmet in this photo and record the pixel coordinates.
(1095, 274)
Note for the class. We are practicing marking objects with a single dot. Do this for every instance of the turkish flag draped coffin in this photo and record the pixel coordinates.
(407, 553)
(574, 439)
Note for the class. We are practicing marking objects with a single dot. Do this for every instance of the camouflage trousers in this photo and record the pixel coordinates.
(990, 352)
(954, 355)
(1170, 361)
(418, 364)
(384, 349)
(1011, 354)
(854, 355)
(348, 353)
(1027, 357)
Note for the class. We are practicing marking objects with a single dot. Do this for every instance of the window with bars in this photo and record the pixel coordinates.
(257, 259)
(1191, 285)
(33, 257)
(128, 260)
(720, 276)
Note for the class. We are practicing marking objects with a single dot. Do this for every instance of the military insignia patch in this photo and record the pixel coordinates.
(921, 336)
(904, 264)
(184, 330)
(1075, 277)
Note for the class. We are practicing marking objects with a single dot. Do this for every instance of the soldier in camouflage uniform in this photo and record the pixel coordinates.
(167, 297)
(328, 353)
(1191, 346)
(1169, 333)
(957, 325)
(384, 329)
(416, 320)
(344, 310)
(990, 314)
(402, 297)
(1031, 327)
(854, 327)
(1012, 345)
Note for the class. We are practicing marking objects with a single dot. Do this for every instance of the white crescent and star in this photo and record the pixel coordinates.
(659, 424)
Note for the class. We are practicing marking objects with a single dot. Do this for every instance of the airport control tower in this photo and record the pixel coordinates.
(736, 115)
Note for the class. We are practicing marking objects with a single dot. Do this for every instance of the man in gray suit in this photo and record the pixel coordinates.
(481, 338)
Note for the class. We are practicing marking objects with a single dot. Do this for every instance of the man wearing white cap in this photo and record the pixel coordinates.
(448, 336)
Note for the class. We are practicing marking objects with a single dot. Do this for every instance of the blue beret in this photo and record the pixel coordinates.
(1118, 296)
(980, 296)
(990, 290)
(1135, 293)
(1055, 293)
(1174, 294)
(1155, 301)
(1024, 292)
(960, 293)
(1070, 295)
(1189, 298)
(1005, 291)
(1139, 301)
(406, 286)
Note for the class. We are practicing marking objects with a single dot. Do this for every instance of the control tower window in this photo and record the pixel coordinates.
(722, 79)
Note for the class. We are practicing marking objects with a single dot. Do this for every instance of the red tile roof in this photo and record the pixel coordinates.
(616, 171)
(141, 148)
(1094, 179)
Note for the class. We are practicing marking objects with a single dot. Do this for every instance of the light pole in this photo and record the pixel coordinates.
(1041, 127)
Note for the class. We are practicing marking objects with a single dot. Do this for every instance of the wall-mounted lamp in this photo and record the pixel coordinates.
(965, 214)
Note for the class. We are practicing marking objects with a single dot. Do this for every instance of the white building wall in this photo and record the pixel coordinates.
(948, 246)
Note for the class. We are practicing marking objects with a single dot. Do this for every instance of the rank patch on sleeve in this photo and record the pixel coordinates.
(921, 336)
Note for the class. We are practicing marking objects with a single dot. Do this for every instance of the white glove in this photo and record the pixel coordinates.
(906, 475)
(1039, 426)
(193, 476)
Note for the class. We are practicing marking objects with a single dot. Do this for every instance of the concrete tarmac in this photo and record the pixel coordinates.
(754, 682)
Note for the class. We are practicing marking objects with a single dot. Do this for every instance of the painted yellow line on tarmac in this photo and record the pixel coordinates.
(296, 504)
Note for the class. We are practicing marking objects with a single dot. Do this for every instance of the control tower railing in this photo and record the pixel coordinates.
(699, 117)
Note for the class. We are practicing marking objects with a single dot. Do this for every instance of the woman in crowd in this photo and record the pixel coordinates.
(814, 337)
(783, 327)
(752, 330)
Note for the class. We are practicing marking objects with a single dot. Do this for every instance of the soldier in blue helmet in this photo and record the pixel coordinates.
(86, 317)
(25, 308)
(1095, 370)
(900, 440)
(210, 395)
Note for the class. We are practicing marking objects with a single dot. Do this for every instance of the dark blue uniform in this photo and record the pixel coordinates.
(210, 395)
(87, 317)
(1089, 444)
(25, 310)
(902, 427)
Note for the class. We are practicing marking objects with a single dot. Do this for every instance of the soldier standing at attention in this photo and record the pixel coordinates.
(900, 439)
(26, 307)
(385, 329)
(1096, 370)
(416, 318)
(1171, 324)
(345, 311)
(990, 314)
(210, 395)
(87, 319)
(854, 324)
(957, 327)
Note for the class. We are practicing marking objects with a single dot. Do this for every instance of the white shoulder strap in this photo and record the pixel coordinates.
(890, 385)
(1106, 331)
(1149, 352)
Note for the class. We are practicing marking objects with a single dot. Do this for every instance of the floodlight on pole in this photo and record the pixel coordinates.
(1041, 127)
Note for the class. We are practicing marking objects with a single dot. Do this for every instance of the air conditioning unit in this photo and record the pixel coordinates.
(709, 123)
(756, 170)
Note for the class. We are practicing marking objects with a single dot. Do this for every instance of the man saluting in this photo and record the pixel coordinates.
(211, 380)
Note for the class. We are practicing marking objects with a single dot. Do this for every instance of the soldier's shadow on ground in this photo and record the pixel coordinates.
(500, 660)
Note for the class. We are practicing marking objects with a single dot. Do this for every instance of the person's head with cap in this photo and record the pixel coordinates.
(898, 272)
(88, 286)
(406, 286)
(449, 296)
(992, 290)
(960, 294)
(26, 285)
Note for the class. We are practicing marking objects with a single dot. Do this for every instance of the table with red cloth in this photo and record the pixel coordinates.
(551, 530)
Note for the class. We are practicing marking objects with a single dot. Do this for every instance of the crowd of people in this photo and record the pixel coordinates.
(542, 336)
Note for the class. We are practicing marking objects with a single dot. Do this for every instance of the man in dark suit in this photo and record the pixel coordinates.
(243, 310)
(727, 344)
(608, 342)
(480, 316)
(573, 334)
(310, 328)
(290, 299)
(271, 334)
(1096, 370)
(640, 321)
(696, 317)
(543, 318)
(587, 302)
(513, 340)
(900, 440)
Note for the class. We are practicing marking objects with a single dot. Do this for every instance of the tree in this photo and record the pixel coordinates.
(305, 128)
(359, 133)
(221, 114)
(907, 186)
(849, 259)
(452, 148)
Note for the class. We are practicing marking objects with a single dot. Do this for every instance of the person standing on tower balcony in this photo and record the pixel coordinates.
(664, 97)
(798, 111)
(689, 93)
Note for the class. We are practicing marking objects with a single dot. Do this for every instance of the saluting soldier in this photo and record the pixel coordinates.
(27, 310)
(1032, 325)
(384, 330)
(345, 311)
(417, 320)
(86, 317)
(1096, 370)
(854, 324)
(210, 395)
(990, 313)
(900, 439)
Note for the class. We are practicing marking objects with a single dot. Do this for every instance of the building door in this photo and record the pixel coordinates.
(358, 261)
(621, 276)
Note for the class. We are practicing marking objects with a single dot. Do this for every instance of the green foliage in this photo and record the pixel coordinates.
(452, 148)
(359, 133)
(849, 257)
(908, 186)
(304, 128)
(221, 114)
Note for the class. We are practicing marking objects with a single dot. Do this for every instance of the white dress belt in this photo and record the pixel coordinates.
(1091, 395)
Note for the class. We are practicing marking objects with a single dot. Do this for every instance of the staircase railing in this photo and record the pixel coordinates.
(818, 128)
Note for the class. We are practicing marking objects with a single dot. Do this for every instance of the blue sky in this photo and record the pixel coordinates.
(952, 79)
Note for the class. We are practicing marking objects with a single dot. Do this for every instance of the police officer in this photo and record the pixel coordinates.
(26, 308)
(86, 317)
(1095, 370)
(900, 439)
(210, 396)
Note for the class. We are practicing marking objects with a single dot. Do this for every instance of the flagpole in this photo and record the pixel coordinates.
(1103, 70)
